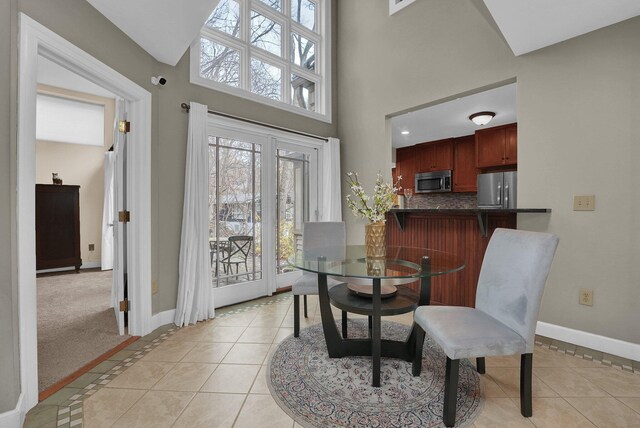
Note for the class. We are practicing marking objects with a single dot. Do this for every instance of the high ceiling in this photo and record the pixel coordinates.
(528, 25)
(451, 119)
(164, 28)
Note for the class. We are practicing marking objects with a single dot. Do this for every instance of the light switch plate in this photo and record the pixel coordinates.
(584, 203)
(154, 287)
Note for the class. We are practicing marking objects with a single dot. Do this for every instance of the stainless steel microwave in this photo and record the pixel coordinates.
(433, 182)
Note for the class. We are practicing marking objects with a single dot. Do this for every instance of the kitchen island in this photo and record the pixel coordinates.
(461, 231)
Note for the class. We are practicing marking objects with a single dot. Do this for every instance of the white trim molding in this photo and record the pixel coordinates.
(589, 340)
(36, 40)
(162, 318)
(85, 265)
(14, 418)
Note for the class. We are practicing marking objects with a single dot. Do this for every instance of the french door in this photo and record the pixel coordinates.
(261, 189)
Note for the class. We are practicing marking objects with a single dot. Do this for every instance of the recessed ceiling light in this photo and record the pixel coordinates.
(482, 118)
(405, 132)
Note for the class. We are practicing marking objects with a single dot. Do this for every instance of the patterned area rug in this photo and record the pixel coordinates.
(318, 391)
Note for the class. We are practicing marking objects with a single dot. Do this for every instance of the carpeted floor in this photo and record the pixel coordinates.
(318, 391)
(76, 323)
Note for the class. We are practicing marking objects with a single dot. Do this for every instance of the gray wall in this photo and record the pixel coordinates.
(576, 106)
(9, 360)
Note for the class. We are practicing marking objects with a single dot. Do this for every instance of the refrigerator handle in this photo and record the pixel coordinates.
(506, 196)
(499, 201)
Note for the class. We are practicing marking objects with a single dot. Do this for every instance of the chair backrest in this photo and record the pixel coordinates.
(317, 236)
(512, 278)
(239, 245)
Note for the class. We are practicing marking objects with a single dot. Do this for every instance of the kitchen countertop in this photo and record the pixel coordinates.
(470, 210)
(481, 213)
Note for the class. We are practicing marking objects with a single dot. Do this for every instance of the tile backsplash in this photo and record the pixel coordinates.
(442, 200)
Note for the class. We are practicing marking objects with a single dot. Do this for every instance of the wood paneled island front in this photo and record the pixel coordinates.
(463, 232)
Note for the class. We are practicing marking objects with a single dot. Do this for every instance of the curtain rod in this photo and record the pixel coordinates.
(186, 107)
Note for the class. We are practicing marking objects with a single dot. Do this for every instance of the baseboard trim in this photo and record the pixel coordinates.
(589, 340)
(85, 265)
(162, 318)
(13, 418)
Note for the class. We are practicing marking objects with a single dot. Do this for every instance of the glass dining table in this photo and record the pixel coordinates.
(396, 284)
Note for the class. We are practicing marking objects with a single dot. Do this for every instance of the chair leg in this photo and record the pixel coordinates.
(296, 316)
(480, 365)
(417, 356)
(450, 392)
(305, 306)
(344, 324)
(526, 368)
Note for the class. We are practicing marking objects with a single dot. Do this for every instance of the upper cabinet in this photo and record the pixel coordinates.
(435, 156)
(497, 146)
(405, 167)
(465, 172)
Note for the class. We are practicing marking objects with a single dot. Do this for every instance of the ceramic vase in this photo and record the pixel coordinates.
(374, 238)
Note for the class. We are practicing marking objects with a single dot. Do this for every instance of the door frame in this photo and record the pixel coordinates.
(35, 39)
(274, 138)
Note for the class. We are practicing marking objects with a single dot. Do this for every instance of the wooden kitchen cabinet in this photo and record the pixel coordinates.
(465, 173)
(434, 156)
(497, 146)
(512, 145)
(406, 167)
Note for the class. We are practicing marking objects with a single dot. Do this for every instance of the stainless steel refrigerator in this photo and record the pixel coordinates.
(497, 190)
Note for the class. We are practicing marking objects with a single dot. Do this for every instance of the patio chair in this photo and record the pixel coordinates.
(238, 252)
(512, 278)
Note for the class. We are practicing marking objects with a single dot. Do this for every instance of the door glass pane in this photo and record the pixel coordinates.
(220, 63)
(235, 233)
(266, 34)
(292, 205)
(226, 18)
(304, 12)
(266, 79)
(303, 92)
(303, 52)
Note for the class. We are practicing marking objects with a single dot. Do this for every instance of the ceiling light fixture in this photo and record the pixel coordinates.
(482, 118)
(405, 132)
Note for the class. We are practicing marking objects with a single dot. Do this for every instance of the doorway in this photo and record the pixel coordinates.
(78, 149)
(262, 187)
(36, 40)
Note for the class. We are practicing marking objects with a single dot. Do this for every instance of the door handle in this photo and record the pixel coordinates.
(506, 196)
(499, 194)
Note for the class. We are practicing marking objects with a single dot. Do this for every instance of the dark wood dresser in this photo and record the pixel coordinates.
(57, 226)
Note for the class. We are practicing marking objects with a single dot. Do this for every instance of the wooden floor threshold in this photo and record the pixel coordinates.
(84, 369)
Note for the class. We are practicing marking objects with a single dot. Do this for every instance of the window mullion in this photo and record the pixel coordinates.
(246, 32)
(286, 79)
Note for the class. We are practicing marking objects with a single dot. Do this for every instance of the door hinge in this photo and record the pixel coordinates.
(124, 216)
(124, 126)
(124, 305)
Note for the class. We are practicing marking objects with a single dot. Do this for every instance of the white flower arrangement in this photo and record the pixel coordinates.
(383, 198)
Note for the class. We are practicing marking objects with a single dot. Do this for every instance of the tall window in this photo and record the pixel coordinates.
(272, 51)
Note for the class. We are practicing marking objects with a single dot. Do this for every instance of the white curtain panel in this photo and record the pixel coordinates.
(108, 211)
(331, 179)
(195, 300)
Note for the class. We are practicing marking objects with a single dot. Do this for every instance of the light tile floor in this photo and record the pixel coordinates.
(213, 374)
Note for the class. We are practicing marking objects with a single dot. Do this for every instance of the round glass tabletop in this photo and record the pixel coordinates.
(400, 262)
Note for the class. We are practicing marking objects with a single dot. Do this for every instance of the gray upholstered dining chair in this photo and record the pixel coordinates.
(315, 236)
(512, 278)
